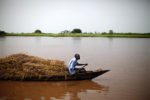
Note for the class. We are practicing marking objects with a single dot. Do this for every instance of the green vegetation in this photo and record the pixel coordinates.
(111, 32)
(136, 35)
(76, 30)
(37, 31)
(2, 32)
(78, 33)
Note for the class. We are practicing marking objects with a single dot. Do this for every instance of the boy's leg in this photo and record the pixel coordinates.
(79, 70)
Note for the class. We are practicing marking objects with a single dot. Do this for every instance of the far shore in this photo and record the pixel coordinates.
(128, 35)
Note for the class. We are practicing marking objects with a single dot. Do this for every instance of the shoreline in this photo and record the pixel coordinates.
(125, 35)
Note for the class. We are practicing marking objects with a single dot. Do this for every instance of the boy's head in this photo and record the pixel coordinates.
(77, 56)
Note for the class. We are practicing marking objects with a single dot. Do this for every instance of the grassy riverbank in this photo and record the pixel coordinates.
(134, 35)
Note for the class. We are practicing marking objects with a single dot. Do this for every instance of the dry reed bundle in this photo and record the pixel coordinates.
(22, 66)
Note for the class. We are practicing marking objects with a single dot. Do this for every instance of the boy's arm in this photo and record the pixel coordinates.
(82, 64)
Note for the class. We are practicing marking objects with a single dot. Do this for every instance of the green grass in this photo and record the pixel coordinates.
(133, 35)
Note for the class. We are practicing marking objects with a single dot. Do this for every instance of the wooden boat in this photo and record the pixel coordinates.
(22, 67)
(87, 75)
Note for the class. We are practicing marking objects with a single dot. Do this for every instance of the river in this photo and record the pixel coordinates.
(127, 58)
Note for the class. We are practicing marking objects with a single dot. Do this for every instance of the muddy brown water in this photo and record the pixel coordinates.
(127, 58)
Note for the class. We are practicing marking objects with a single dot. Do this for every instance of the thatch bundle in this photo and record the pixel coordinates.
(22, 66)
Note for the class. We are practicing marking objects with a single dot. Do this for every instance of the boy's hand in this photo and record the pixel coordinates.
(86, 64)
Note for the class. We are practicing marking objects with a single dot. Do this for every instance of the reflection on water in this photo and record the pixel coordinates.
(10, 90)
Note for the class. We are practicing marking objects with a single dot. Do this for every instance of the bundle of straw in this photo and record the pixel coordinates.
(21, 66)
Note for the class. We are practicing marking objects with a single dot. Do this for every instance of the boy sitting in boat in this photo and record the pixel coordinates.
(73, 63)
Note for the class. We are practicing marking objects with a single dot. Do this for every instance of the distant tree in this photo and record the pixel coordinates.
(66, 31)
(37, 31)
(76, 30)
(95, 32)
(90, 33)
(104, 33)
(2, 32)
(111, 32)
(85, 33)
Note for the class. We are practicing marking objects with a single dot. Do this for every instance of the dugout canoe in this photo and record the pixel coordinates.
(88, 75)
(22, 67)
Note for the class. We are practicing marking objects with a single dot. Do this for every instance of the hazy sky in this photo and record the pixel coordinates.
(89, 15)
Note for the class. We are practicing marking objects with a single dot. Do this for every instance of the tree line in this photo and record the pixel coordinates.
(39, 31)
(74, 31)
